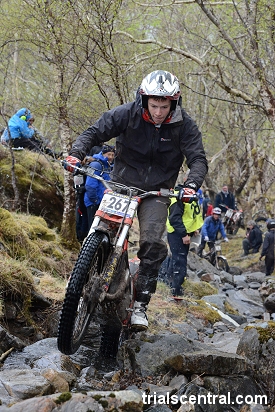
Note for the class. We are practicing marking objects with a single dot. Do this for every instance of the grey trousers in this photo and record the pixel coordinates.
(152, 215)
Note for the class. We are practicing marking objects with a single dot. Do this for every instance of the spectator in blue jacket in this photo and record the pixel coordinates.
(20, 133)
(211, 226)
(94, 189)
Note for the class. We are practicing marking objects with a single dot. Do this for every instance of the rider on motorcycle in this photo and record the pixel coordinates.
(153, 135)
(211, 226)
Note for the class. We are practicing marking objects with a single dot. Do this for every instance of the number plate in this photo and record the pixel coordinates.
(218, 248)
(117, 204)
(229, 213)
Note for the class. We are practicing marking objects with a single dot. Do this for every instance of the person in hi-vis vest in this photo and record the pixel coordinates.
(183, 220)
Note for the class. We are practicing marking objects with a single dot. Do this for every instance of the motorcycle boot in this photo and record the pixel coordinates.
(145, 286)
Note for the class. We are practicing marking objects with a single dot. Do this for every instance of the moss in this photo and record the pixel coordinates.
(203, 311)
(97, 397)
(198, 289)
(64, 397)
(229, 309)
(103, 402)
(264, 334)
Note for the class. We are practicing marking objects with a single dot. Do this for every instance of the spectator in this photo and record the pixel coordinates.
(209, 210)
(206, 200)
(268, 247)
(253, 240)
(224, 197)
(210, 228)
(96, 149)
(94, 189)
(20, 133)
(154, 135)
(200, 194)
(81, 215)
(207, 206)
(184, 219)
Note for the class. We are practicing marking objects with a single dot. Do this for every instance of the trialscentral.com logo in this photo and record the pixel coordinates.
(209, 399)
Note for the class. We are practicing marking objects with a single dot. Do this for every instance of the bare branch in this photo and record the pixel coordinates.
(228, 89)
(226, 36)
(179, 2)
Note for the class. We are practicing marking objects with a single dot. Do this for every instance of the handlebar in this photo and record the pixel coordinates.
(133, 191)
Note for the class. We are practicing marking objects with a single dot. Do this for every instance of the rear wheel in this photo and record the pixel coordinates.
(235, 231)
(83, 292)
(222, 263)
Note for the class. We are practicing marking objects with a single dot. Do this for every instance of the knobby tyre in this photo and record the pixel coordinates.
(83, 291)
(235, 231)
(222, 263)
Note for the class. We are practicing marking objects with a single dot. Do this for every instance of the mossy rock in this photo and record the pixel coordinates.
(198, 289)
(203, 311)
(39, 181)
(264, 333)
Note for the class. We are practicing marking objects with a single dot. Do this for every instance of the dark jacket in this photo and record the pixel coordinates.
(211, 227)
(228, 200)
(255, 238)
(147, 156)
(268, 245)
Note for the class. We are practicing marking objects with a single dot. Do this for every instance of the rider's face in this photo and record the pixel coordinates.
(159, 109)
(215, 216)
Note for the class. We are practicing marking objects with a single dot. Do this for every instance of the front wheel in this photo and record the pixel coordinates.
(83, 292)
(222, 263)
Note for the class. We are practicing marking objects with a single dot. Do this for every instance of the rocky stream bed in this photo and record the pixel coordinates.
(191, 365)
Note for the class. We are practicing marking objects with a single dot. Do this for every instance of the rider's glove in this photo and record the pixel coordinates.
(226, 239)
(206, 238)
(187, 195)
(70, 162)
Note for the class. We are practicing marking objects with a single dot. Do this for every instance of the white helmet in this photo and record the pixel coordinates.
(216, 211)
(160, 83)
